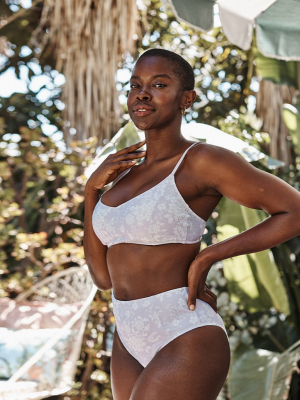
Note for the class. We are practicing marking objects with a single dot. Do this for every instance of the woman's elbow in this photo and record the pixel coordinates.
(103, 285)
(103, 282)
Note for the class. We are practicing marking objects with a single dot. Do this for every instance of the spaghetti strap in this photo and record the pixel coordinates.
(122, 174)
(181, 158)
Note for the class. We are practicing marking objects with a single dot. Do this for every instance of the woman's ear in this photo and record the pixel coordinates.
(189, 97)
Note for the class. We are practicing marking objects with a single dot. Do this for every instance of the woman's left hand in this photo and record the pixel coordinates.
(198, 288)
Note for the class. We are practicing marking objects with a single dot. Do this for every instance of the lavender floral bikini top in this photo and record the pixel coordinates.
(160, 215)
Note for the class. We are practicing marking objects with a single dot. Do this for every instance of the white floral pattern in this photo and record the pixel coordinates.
(158, 216)
(148, 324)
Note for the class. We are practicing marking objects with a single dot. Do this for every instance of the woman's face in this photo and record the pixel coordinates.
(155, 95)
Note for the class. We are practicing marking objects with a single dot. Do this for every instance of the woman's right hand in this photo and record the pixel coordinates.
(114, 165)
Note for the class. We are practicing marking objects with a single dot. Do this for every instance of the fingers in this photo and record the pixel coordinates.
(120, 164)
(209, 299)
(208, 291)
(205, 295)
(130, 148)
(192, 297)
(130, 156)
(212, 295)
(129, 153)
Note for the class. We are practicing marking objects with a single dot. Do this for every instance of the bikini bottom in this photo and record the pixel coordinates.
(148, 324)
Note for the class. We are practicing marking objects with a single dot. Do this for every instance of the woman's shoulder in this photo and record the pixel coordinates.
(213, 163)
(204, 153)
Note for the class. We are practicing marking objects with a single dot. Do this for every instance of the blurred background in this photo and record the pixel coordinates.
(64, 79)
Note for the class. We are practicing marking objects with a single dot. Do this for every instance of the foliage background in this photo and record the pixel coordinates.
(42, 183)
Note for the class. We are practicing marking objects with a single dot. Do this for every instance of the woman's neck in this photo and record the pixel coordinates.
(162, 144)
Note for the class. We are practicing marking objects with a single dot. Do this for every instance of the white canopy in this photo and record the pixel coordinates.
(238, 18)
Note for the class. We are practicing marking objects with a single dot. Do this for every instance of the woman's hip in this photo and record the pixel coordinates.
(147, 324)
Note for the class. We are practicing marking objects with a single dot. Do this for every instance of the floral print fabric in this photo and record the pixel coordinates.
(158, 216)
(148, 324)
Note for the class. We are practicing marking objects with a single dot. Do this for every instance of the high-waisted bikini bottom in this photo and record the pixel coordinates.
(148, 324)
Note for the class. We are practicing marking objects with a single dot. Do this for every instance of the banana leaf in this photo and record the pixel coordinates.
(241, 281)
(267, 270)
(254, 280)
(291, 117)
(277, 71)
(261, 374)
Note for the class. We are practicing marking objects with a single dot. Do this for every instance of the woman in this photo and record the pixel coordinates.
(142, 238)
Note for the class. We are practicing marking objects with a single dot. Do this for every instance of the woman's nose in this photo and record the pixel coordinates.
(142, 95)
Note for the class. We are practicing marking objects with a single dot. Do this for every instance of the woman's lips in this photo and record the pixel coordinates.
(142, 113)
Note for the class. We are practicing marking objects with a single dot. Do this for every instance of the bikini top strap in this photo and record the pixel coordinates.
(181, 158)
(172, 173)
(120, 176)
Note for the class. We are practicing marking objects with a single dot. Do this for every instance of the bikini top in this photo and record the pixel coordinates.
(159, 215)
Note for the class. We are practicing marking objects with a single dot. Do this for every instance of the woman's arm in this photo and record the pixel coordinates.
(108, 171)
(238, 180)
(94, 250)
(235, 178)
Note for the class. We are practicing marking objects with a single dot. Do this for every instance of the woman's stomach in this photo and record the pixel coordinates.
(138, 271)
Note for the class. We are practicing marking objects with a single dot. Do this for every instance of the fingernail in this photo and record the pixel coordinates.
(192, 307)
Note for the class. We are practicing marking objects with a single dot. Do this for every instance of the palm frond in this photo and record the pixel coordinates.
(89, 38)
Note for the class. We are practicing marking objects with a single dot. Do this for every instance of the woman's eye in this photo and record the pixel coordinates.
(134, 85)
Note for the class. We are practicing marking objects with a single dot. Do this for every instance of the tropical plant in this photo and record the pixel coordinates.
(86, 41)
(270, 374)
(42, 182)
(41, 225)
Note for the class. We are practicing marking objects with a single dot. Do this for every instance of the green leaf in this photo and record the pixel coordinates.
(251, 372)
(253, 280)
(261, 374)
(278, 71)
(291, 117)
(266, 267)
(128, 136)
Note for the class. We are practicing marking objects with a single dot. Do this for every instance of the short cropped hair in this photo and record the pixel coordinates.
(179, 65)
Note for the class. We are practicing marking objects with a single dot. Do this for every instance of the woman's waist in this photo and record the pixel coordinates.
(128, 254)
(138, 271)
(145, 277)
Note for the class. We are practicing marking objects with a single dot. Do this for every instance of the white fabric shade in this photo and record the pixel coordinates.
(238, 17)
(276, 21)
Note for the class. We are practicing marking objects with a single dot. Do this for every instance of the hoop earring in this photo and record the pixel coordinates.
(183, 112)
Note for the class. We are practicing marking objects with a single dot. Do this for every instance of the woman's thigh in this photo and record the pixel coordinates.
(193, 366)
(124, 370)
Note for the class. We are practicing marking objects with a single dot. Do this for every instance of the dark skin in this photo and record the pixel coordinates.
(196, 362)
